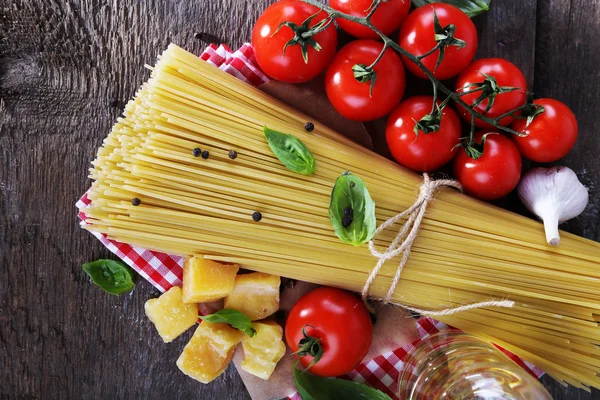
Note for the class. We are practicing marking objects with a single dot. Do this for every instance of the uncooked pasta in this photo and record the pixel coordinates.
(466, 251)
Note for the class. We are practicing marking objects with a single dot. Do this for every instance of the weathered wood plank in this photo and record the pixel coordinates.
(566, 66)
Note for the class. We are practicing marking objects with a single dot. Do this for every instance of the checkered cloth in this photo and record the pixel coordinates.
(165, 270)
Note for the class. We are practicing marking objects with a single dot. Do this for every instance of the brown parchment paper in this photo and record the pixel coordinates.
(394, 327)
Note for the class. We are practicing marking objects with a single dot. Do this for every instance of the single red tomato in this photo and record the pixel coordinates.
(354, 99)
(550, 135)
(506, 74)
(424, 152)
(495, 173)
(289, 65)
(417, 35)
(338, 321)
(387, 18)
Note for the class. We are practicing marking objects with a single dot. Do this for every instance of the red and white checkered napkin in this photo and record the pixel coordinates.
(165, 270)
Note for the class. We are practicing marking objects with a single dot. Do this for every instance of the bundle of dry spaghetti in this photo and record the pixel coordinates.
(466, 250)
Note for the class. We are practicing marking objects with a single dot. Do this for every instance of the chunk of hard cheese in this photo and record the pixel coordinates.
(263, 351)
(255, 294)
(209, 351)
(170, 315)
(206, 280)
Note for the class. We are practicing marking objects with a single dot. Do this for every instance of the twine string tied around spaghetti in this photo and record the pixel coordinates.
(402, 244)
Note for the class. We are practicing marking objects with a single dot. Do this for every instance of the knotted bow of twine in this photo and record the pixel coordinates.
(404, 241)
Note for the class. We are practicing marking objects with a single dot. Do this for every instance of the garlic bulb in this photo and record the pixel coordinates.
(555, 195)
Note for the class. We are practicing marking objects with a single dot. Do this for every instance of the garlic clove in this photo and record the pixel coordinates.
(554, 195)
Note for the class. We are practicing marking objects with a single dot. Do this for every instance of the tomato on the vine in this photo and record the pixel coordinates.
(422, 151)
(337, 322)
(387, 18)
(299, 62)
(486, 74)
(418, 36)
(495, 173)
(550, 135)
(358, 92)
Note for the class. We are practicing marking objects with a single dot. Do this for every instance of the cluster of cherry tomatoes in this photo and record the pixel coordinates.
(295, 42)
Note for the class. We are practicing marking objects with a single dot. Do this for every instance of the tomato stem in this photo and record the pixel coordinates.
(430, 52)
(372, 8)
(456, 97)
(374, 63)
(435, 94)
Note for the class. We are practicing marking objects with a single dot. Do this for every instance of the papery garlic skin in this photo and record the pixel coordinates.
(555, 195)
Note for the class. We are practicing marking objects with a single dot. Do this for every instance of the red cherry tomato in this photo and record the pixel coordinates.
(341, 322)
(350, 97)
(550, 135)
(289, 66)
(506, 74)
(387, 18)
(493, 175)
(425, 152)
(417, 35)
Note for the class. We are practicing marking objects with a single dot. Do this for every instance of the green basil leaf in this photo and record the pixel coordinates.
(312, 387)
(235, 318)
(470, 7)
(351, 210)
(111, 276)
(291, 151)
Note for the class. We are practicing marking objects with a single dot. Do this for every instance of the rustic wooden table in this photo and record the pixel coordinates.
(66, 69)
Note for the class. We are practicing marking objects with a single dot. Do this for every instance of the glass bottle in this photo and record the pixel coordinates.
(457, 366)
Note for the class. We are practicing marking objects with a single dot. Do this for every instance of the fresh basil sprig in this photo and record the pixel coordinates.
(312, 387)
(111, 276)
(291, 151)
(470, 7)
(351, 210)
(236, 319)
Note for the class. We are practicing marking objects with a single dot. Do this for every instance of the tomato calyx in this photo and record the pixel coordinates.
(474, 150)
(365, 74)
(303, 34)
(489, 90)
(309, 346)
(444, 36)
(429, 123)
(531, 110)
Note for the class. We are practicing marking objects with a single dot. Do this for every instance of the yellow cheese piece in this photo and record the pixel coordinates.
(170, 315)
(255, 294)
(209, 351)
(263, 351)
(206, 280)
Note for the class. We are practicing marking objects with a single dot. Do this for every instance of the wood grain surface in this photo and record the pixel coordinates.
(66, 70)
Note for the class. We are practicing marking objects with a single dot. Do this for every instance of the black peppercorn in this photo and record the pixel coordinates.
(346, 221)
(205, 154)
(196, 152)
(256, 216)
(348, 212)
(232, 154)
(136, 202)
(309, 127)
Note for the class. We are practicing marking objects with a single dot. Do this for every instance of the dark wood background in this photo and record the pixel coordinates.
(66, 69)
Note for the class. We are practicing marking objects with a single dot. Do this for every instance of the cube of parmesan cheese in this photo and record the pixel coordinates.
(170, 315)
(206, 280)
(263, 351)
(255, 294)
(209, 351)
